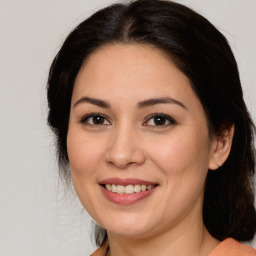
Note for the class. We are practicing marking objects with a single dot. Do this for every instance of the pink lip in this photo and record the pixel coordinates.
(126, 199)
(125, 182)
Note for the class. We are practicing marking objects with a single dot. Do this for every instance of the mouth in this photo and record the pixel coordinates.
(129, 189)
(126, 191)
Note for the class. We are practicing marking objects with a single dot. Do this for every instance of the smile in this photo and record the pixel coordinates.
(129, 189)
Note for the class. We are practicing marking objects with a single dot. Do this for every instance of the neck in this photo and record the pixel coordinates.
(180, 241)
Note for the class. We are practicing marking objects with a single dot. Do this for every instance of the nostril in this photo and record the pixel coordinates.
(124, 151)
(124, 160)
(122, 165)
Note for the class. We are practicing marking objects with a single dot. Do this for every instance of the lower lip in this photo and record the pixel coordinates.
(126, 199)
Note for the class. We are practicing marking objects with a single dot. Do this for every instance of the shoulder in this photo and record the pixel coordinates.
(231, 247)
(101, 251)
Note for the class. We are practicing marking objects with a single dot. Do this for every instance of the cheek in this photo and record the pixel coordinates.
(184, 152)
(83, 152)
(183, 162)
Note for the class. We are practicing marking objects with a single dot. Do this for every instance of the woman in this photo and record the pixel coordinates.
(147, 107)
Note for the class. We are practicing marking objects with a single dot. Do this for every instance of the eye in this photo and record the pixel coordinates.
(95, 119)
(159, 120)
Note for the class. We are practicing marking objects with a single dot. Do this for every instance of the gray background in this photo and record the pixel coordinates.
(37, 216)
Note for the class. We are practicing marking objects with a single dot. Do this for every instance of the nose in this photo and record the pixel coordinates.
(125, 149)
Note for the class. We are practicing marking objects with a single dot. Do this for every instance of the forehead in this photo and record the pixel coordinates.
(130, 68)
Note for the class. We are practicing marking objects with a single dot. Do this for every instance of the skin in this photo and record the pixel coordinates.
(128, 144)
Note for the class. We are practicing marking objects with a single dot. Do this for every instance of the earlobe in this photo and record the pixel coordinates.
(221, 147)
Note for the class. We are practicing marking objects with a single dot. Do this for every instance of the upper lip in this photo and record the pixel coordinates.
(126, 181)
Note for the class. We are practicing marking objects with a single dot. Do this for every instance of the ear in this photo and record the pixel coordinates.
(220, 148)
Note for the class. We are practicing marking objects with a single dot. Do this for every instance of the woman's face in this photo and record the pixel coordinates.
(138, 142)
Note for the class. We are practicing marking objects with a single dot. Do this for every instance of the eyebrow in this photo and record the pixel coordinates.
(141, 104)
(163, 100)
(97, 102)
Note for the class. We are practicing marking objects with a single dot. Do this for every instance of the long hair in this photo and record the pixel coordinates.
(202, 53)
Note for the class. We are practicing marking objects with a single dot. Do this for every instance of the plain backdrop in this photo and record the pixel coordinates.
(37, 216)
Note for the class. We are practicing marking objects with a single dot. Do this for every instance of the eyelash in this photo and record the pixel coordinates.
(87, 117)
(171, 120)
(166, 118)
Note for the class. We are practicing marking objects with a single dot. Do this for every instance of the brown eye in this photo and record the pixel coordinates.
(98, 120)
(95, 119)
(159, 120)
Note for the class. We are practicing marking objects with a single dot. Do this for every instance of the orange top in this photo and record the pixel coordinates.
(102, 251)
(228, 247)
(231, 247)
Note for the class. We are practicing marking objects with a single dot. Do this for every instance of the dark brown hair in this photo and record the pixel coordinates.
(202, 53)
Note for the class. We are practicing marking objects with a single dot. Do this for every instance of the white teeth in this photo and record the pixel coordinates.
(108, 187)
(120, 189)
(137, 188)
(149, 187)
(114, 189)
(129, 189)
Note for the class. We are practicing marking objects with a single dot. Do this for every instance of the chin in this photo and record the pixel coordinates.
(131, 233)
(129, 226)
